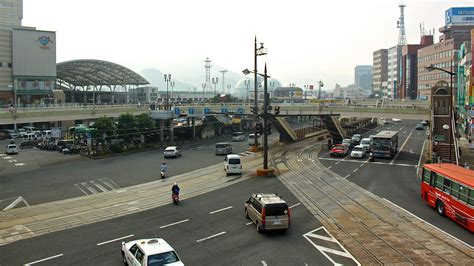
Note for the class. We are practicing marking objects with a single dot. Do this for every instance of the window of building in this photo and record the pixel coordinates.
(1, 64)
(9, 65)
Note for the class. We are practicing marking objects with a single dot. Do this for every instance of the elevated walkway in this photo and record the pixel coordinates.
(287, 134)
(334, 127)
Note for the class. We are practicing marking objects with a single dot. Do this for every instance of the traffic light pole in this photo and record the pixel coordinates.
(265, 119)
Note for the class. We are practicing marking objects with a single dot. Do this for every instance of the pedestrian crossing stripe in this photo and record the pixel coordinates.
(96, 186)
(328, 245)
(247, 153)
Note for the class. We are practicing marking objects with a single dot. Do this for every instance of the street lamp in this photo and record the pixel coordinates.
(451, 74)
(172, 83)
(167, 79)
(203, 91)
(214, 82)
(258, 52)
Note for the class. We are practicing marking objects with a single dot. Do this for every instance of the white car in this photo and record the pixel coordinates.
(365, 142)
(358, 152)
(232, 164)
(238, 136)
(154, 251)
(172, 151)
(11, 149)
(396, 120)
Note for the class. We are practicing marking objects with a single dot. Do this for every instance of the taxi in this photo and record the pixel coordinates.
(154, 251)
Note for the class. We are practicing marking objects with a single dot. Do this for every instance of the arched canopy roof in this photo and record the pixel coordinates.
(91, 72)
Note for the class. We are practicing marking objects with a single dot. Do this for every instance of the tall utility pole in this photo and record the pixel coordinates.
(255, 108)
(402, 38)
(320, 84)
(208, 66)
(223, 80)
(265, 119)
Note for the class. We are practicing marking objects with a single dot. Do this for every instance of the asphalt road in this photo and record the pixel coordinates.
(240, 244)
(79, 177)
(396, 179)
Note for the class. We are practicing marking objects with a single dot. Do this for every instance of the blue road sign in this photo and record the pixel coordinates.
(191, 111)
(240, 110)
(206, 110)
(224, 110)
(176, 111)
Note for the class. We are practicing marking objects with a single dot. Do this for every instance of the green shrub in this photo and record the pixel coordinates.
(116, 149)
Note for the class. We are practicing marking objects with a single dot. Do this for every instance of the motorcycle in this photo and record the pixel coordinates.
(163, 174)
(175, 198)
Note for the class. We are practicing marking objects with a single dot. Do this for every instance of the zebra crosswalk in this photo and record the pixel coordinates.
(247, 153)
(96, 186)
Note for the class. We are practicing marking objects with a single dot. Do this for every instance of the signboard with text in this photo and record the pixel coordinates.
(459, 16)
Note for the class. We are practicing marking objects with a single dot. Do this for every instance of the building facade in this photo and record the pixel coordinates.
(440, 55)
(379, 66)
(363, 77)
(394, 56)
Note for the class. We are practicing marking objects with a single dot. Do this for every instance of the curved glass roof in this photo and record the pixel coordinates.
(91, 72)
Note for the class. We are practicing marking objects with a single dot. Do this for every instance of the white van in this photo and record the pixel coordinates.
(252, 140)
(29, 136)
(46, 134)
(232, 164)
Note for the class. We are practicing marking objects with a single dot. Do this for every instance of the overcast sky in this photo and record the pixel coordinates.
(307, 40)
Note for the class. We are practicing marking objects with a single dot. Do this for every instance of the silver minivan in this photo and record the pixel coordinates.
(268, 212)
(11, 149)
(223, 148)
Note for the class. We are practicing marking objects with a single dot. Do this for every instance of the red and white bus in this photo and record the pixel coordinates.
(450, 189)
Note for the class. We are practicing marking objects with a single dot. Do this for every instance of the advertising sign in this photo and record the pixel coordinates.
(459, 16)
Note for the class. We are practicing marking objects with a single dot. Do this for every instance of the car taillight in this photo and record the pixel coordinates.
(289, 217)
(263, 217)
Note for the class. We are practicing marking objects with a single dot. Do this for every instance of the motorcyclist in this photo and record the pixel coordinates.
(175, 189)
(163, 167)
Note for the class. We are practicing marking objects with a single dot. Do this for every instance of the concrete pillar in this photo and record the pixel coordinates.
(162, 131)
(241, 124)
(171, 130)
(194, 128)
(85, 97)
(113, 98)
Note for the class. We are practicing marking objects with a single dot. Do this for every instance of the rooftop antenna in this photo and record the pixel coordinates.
(402, 38)
(208, 66)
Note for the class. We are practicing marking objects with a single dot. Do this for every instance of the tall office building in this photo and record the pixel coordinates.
(363, 77)
(379, 67)
(393, 73)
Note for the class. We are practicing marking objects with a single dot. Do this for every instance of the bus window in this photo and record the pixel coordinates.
(463, 193)
(455, 190)
(433, 178)
(426, 175)
(447, 186)
(470, 201)
(439, 181)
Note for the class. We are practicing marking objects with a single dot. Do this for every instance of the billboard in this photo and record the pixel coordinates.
(34, 53)
(459, 16)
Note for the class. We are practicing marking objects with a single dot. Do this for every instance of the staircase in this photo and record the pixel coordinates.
(287, 134)
(334, 127)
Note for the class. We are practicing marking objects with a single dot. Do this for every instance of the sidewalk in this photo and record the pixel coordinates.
(467, 152)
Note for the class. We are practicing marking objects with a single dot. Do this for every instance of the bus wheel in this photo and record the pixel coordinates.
(440, 207)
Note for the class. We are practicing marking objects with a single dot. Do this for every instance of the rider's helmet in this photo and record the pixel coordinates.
(175, 183)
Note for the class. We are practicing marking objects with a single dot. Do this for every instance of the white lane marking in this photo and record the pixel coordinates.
(453, 237)
(109, 183)
(419, 160)
(329, 167)
(6, 158)
(338, 161)
(223, 209)
(171, 224)
(326, 250)
(356, 161)
(294, 205)
(113, 240)
(19, 164)
(264, 263)
(355, 170)
(401, 148)
(347, 176)
(209, 237)
(204, 148)
(78, 187)
(16, 202)
(41, 260)
(99, 186)
(249, 223)
(90, 188)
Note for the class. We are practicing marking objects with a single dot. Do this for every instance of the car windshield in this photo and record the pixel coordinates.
(383, 144)
(339, 148)
(357, 149)
(237, 134)
(346, 141)
(234, 161)
(220, 146)
(365, 142)
(163, 258)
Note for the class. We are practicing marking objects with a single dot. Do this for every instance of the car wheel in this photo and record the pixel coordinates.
(246, 214)
(440, 207)
(259, 228)
(123, 259)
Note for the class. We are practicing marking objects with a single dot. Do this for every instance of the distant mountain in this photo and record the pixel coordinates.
(191, 76)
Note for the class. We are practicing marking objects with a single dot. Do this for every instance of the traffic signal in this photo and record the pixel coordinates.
(277, 110)
(268, 129)
(259, 128)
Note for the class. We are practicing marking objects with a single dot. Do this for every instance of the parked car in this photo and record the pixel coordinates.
(5, 134)
(358, 152)
(172, 151)
(339, 150)
(356, 139)
(268, 212)
(238, 136)
(154, 251)
(419, 126)
(11, 149)
(223, 148)
(232, 164)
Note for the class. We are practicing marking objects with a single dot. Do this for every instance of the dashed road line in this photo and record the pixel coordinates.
(209, 237)
(355, 170)
(249, 223)
(45, 259)
(171, 224)
(347, 176)
(295, 205)
(223, 209)
(356, 161)
(264, 263)
(401, 148)
(113, 240)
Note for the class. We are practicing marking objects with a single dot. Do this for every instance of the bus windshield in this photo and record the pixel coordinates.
(383, 144)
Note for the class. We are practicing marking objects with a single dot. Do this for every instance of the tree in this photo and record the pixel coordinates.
(103, 125)
(127, 126)
(145, 123)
